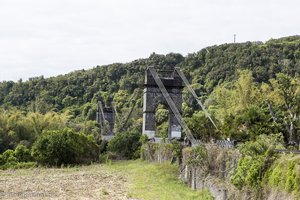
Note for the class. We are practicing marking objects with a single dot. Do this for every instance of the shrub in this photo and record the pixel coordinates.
(126, 145)
(8, 157)
(257, 158)
(285, 174)
(195, 156)
(18, 158)
(176, 148)
(22, 153)
(144, 139)
(64, 147)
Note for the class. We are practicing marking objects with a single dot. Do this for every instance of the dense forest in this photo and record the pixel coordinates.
(250, 89)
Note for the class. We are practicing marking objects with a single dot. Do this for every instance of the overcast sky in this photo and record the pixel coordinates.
(51, 37)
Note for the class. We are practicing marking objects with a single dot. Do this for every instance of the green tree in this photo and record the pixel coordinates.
(284, 93)
(64, 147)
(126, 145)
(201, 127)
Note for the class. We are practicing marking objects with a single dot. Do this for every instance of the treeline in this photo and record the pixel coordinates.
(209, 67)
(55, 139)
(245, 109)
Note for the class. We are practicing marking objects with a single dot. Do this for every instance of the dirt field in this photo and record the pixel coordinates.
(88, 182)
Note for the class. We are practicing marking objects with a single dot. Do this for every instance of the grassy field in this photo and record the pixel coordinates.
(119, 180)
(156, 181)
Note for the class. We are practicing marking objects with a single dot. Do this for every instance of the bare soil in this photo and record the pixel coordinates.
(87, 182)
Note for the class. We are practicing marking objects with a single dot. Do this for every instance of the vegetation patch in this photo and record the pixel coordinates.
(16, 159)
(162, 151)
(126, 145)
(285, 175)
(256, 159)
(195, 156)
(157, 181)
(64, 147)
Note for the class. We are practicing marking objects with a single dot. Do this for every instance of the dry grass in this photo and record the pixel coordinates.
(87, 182)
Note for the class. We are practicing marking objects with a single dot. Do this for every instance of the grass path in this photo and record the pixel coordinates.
(120, 180)
(156, 181)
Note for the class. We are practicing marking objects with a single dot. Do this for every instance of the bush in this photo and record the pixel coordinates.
(8, 157)
(126, 145)
(195, 156)
(22, 153)
(176, 148)
(64, 147)
(285, 174)
(257, 158)
(15, 159)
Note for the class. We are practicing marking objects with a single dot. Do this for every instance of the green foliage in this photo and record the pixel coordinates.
(232, 97)
(144, 139)
(246, 110)
(201, 126)
(161, 114)
(8, 157)
(156, 181)
(161, 121)
(64, 147)
(176, 148)
(196, 156)
(162, 130)
(249, 172)
(19, 127)
(22, 153)
(285, 94)
(252, 91)
(126, 145)
(263, 144)
(257, 157)
(16, 159)
(120, 99)
(255, 122)
(285, 174)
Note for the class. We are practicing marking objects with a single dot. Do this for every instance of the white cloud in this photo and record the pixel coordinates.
(57, 36)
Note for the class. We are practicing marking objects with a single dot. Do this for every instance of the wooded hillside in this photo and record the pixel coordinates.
(249, 88)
